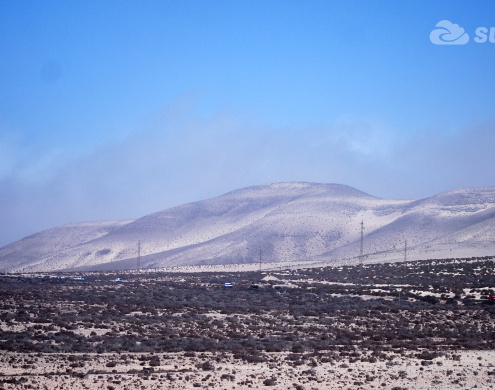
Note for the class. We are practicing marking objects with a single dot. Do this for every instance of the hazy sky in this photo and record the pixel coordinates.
(116, 109)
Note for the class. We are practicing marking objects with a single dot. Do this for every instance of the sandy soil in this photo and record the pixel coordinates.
(340, 329)
(461, 370)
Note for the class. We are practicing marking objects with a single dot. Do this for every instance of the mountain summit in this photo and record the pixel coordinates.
(282, 222)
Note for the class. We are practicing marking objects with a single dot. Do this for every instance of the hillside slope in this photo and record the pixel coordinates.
(290, 222)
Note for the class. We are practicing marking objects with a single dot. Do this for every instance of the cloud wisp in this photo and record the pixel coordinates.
(181, 158)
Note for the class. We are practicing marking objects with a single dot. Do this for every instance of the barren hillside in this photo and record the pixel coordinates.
(282, 222)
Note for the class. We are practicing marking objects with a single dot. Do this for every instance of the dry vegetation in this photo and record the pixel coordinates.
(383, 326)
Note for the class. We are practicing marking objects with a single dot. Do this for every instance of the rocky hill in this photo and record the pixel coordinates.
(282, 222)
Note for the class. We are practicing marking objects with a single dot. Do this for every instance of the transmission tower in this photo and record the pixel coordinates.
(361, 249)
(260, 259)
(405, 250)
(139, 256)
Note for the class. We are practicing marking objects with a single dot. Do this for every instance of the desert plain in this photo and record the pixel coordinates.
(411, 325)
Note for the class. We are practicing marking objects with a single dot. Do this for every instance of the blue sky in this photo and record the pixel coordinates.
(116, 109)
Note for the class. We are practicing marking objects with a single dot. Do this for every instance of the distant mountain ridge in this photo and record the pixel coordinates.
(285, 222)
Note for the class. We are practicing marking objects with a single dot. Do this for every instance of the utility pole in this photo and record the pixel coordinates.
(361, 249)
(260, 259)
(405, 250)
(139, 256)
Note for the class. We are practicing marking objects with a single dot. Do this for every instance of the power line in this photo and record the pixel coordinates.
(361, 249)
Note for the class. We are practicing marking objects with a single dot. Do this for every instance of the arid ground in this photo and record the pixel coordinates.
(413, 325)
